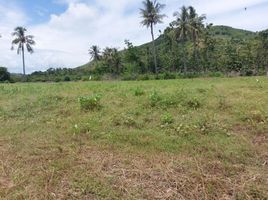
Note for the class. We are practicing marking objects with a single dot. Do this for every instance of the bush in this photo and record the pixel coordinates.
(193, 103)
(167, 119)
(215, 74)
(4, 74)
(154, 98)
(168, 75)
(67, 78)
(129, 77)
(90, 102)
(139, 91)
(169, 101)
(143, 77)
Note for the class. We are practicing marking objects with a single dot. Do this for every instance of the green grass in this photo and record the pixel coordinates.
(188, 139)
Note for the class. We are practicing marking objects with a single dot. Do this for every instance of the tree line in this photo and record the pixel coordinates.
(187, 46)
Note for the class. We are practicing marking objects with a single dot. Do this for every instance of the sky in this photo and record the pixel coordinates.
(64, 30)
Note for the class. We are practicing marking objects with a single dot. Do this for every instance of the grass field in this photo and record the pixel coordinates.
(178, 139)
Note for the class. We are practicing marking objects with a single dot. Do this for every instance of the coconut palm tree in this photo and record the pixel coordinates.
(151, 14)
(182, 30)
(197, 26)
(112, 59)
(94, 51)
(23, 41)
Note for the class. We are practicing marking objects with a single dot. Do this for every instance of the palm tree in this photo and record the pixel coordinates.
(182, 30)
(94, 51)
(151, 16)
(22, 41)
(112, 59)
(196, 23)
(108, 58)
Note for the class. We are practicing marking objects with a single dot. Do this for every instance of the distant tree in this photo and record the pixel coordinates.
(107, 57)
(171, 48)
(132, 55)
(67, 79)
(182, 31)
(208, 46)
(4, 74)
(94, 51)
(197, 26)
(112, 59)
(22, 40)
(263, 49)
(151, 14)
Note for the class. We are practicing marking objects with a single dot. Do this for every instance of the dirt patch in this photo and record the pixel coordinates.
(260, 140)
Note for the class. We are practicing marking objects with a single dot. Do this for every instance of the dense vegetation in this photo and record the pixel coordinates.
(4, 75)
(174, 139)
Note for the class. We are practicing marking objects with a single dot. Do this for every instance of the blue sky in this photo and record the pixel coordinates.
(39, 11)
(65, 29)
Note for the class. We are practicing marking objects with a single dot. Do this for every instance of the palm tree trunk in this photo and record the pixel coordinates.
(154, 49)
(184, 57)
(195, 54)
(23, 60)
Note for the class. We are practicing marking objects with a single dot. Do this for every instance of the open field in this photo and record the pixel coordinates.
(178, 139)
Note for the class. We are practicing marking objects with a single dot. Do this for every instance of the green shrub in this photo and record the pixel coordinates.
(138, 91)
(90, 102)
(193, 103)
(129, 77)
(67, 79)
(168, 76)
(57, 79)
(223, 104)
(154, 99)
(143, 77)
(168, 101)
(167, 119)
(215, 74)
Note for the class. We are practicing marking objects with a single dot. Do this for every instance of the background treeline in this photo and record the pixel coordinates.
(187, 48)
(222, 51)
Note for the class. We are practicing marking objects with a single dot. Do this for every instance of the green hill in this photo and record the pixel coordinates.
(229, 32)
(218, 32)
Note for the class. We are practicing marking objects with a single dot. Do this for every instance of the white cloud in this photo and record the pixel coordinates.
(63, 41)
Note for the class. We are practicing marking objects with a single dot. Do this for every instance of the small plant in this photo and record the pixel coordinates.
(223, 104)
(183, 129)
(138, 91)
(194, 103)
(90, 102)
(154, 98)
(167, 119)
(169, 101)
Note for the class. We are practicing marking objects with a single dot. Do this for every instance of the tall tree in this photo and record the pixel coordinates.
(197, 26)
(151, 14)
(23, 41)
(94, 52)
(208, 46)
(112, 59)
(182, 31)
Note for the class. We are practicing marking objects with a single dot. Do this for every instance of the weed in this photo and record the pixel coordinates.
(90, 102)
(167, 119)
(139, 91)
(193, 103)
(223, 104)
(154, 98)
